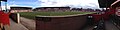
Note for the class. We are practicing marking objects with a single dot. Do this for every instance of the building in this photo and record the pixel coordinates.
(52, 9)
(20, 9)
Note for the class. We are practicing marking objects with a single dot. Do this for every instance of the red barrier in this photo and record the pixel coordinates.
(61, 23)
(96, 17)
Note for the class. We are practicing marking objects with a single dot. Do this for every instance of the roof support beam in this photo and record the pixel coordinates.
(115, 2)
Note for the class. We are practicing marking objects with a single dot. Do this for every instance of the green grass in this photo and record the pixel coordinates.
(31, 15)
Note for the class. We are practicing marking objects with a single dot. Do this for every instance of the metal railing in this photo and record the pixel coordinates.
(100, 25)
(115, 20)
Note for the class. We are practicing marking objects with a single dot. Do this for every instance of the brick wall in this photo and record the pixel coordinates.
(60, 23)
(13, 16)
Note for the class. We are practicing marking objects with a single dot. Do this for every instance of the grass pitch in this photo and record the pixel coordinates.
(31, 15)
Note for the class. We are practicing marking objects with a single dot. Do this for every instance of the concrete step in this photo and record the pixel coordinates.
(16, 26)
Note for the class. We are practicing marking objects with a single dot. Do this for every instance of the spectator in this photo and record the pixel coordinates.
(4, 20)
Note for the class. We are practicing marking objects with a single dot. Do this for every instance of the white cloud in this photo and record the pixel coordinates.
(14, 5)
(73, 3)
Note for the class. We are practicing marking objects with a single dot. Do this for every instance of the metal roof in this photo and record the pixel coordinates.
(116, 4)
(4, 0)
(105, 3)
(22, 7)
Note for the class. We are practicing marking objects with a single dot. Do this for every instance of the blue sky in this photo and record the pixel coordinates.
(54, 3)
(30, 3)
